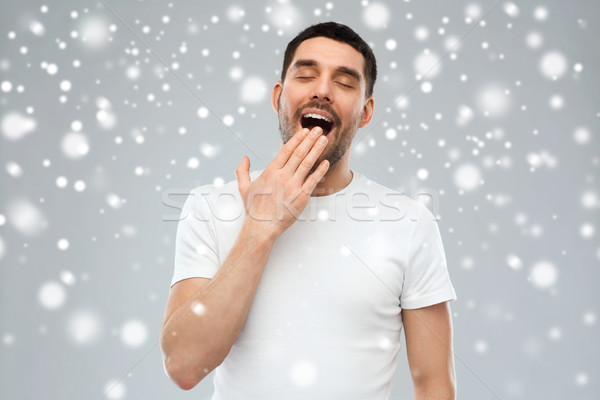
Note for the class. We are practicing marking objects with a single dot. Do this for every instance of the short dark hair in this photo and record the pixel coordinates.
(341, 33)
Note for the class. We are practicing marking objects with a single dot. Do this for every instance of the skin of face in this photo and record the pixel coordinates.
(325, 75)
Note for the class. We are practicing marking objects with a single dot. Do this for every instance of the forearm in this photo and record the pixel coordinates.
(196, 339)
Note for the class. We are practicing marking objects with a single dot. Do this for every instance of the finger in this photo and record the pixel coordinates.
(243, 175)
(288, 149)
(302, 150)
(307, 163)
(315, 177)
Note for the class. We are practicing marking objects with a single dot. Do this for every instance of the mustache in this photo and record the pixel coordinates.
(319, 106)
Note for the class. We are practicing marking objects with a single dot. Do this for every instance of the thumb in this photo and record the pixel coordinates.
(243, 175)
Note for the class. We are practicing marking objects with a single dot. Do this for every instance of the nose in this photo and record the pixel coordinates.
(322, 90)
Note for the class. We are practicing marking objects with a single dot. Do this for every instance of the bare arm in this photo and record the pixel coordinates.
(204, 317)
(428, 332)
(197, 336)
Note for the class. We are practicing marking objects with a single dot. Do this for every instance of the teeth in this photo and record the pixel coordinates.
(317, 116)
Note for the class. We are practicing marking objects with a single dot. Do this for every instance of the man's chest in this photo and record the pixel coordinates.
(321, 276)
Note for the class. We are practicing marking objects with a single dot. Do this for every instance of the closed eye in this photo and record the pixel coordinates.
(345, 85)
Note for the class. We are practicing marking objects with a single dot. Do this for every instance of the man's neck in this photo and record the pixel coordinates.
(337, 178)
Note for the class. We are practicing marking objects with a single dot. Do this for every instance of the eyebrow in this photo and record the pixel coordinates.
(344, 70)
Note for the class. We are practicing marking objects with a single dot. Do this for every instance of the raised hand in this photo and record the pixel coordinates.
(276, 198)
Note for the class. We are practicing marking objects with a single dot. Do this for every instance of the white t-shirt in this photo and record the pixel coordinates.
(325, 322)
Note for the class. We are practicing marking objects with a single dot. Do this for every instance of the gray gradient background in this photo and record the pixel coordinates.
(122, 258)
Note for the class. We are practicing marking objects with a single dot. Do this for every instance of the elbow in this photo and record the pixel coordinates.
(185, 371)
(183, 376)
(186, 384)
(185, 368)
(178, 369)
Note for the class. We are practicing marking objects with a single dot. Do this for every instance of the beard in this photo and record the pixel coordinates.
(340, 137)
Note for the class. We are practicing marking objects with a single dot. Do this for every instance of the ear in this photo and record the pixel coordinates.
(367, 112)
(275, 95)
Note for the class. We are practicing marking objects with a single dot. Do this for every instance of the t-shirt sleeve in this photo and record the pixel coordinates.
(426, 279)
(196, 253)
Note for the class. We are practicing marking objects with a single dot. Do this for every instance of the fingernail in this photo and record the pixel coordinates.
(317, 131)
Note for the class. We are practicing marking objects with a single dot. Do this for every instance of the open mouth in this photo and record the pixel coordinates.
(310, 120)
